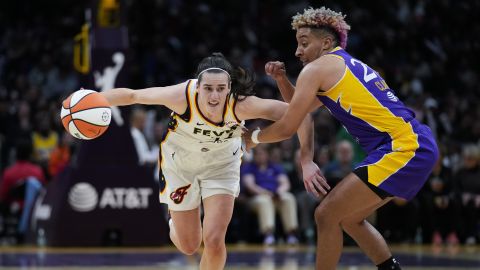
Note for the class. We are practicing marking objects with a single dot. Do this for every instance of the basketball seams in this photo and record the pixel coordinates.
(90, 101)
(78, 101)
(89, 130)
(73, 122)
(83, 120)
(67, 122)
(89, 108)
(67, 102)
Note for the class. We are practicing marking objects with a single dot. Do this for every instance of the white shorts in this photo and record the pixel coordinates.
(187, 177)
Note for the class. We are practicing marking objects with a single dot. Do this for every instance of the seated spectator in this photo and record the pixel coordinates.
(443, 205)
(24, 177)
(18, 127)
(306, 202)
(269, 186)
(45, 139)
(60, 157)
(322, 157)
(342, 165)
(146, 156)
(468, 179)
(391, 220)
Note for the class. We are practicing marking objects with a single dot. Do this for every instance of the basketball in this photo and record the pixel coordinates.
(86, 114)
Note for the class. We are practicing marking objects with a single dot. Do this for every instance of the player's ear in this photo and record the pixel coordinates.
(328, 41)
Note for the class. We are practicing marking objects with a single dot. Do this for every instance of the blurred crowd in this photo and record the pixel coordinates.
(426, 50)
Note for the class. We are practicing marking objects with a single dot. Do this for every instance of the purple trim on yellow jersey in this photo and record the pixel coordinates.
(365, 105)
(401, 151)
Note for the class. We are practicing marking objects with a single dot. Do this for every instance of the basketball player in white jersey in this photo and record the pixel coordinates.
(200, 154)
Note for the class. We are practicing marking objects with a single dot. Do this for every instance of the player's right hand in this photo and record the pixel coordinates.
(313, 179)
(275, 69)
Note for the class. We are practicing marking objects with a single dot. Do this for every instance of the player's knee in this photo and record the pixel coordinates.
(214, 240)
(189, 247)
(325, 216)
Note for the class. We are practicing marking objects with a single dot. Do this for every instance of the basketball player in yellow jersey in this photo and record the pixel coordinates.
(201, 152)
(401, 152)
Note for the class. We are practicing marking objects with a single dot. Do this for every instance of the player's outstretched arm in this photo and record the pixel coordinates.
(253, 107)
(277, 71)
(256, 108)
(172, 97)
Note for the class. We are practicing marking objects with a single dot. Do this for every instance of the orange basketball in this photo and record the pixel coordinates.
(86, 114)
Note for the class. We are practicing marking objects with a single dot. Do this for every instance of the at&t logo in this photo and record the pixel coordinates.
(83, 197)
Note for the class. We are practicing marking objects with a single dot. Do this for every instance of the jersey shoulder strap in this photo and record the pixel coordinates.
(187, 115)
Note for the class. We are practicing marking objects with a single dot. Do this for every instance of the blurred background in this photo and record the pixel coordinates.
(60, 191)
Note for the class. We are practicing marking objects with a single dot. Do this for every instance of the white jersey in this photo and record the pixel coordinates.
(195, 132)
(199, 158)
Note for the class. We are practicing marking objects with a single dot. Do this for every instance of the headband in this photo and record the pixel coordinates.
(213, 68)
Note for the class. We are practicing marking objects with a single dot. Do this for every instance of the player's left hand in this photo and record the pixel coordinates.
(313, 179)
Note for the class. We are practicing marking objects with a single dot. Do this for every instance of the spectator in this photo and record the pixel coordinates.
(20, 183)
(468, 179)
(20, 170)
(19, 128)
(45, 139)
(146, 156)
(60, 156)
(444, 205)
(269, 188)
(306, 202)
(358, 153)
(391, 220)
(342, 165)
(322, 157)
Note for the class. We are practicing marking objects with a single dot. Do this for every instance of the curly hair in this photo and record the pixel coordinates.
(323, 18)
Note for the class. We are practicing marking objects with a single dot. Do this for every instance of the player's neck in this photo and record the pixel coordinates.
(216, 117)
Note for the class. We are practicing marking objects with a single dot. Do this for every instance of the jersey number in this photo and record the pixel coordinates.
(366, 77)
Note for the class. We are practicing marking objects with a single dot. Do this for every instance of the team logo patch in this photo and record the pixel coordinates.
(178, 195)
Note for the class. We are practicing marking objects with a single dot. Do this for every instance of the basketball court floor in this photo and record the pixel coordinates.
(240, 257)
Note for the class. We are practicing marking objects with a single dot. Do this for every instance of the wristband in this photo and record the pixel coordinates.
(255, 136)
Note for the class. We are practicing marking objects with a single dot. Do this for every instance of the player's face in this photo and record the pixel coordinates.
(212, 93)
(309, 45)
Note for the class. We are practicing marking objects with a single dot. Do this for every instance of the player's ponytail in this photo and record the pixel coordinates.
(242, 80)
